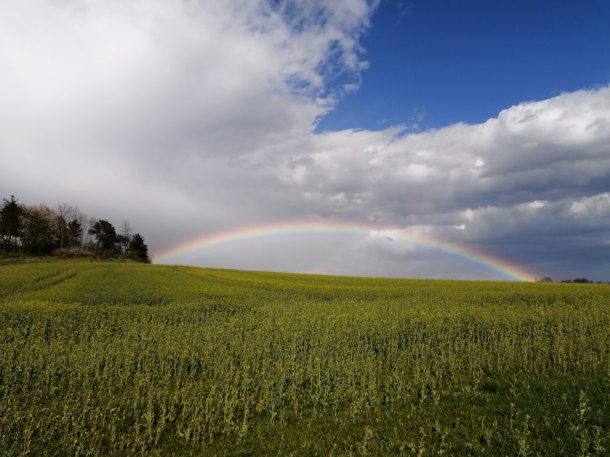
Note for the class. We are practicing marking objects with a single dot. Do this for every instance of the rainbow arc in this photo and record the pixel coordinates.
(485, 260)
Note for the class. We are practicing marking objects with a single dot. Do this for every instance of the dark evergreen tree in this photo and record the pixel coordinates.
(11, 215)
(105, 236)
(138, 250)
(75, 231)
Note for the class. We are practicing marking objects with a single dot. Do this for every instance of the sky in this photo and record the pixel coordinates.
(483, 126)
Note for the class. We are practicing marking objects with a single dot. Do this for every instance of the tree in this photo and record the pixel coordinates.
(62, 231)
(10, 224)
(124, 239)
(39, 235)
(87, 226)
(126, 229)
(105, 236)
(138, 250)
(75, 231)
(122, 243)
(70, 223)
(39, 230)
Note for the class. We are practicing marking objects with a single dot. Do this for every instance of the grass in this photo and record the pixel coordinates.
(121, 359)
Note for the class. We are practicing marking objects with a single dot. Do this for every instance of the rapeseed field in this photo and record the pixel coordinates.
(122, 359)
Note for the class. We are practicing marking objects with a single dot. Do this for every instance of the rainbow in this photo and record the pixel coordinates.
(501, 266)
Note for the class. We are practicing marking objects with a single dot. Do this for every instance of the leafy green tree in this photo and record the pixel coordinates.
(123, 242)
(75, 231)
(10, 224)
(138, 249)
(105, 236)
(39, 233)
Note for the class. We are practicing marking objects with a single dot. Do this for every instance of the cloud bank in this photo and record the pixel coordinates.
(190, 117)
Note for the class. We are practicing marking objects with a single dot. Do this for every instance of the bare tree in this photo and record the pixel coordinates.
(70, 225)
(126, 229)
(124, 237)
(86, 226)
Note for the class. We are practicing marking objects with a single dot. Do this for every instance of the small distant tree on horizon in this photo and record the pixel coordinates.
(124, 238)
(75, 231)
(138, 249)
(69, 226)
(105, 236)
(39, 234)
(11, 215)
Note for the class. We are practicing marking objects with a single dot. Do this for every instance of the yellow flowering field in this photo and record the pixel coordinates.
(124, 359)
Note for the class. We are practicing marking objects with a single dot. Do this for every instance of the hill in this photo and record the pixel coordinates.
(114, 358)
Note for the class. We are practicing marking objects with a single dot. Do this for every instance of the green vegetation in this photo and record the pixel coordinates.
(41, 231)
(124, 359)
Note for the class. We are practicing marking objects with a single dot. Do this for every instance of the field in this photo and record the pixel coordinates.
(121, 359)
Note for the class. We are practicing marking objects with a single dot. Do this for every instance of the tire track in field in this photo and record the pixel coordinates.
(45, 281)
(28, 284)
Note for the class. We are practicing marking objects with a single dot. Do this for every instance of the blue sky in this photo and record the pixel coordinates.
(435, 63)
(191, 118)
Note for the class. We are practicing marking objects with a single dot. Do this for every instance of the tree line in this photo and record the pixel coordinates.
(40, 231)
(575, 281)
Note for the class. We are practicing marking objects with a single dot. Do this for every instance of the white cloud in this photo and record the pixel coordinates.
(163, 94)
(596, 207)
(173, 76)
(500, 163)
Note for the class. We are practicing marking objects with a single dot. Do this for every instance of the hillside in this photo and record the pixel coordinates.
(115, 358)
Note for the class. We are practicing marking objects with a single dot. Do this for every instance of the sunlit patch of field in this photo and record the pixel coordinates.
(120, 359)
